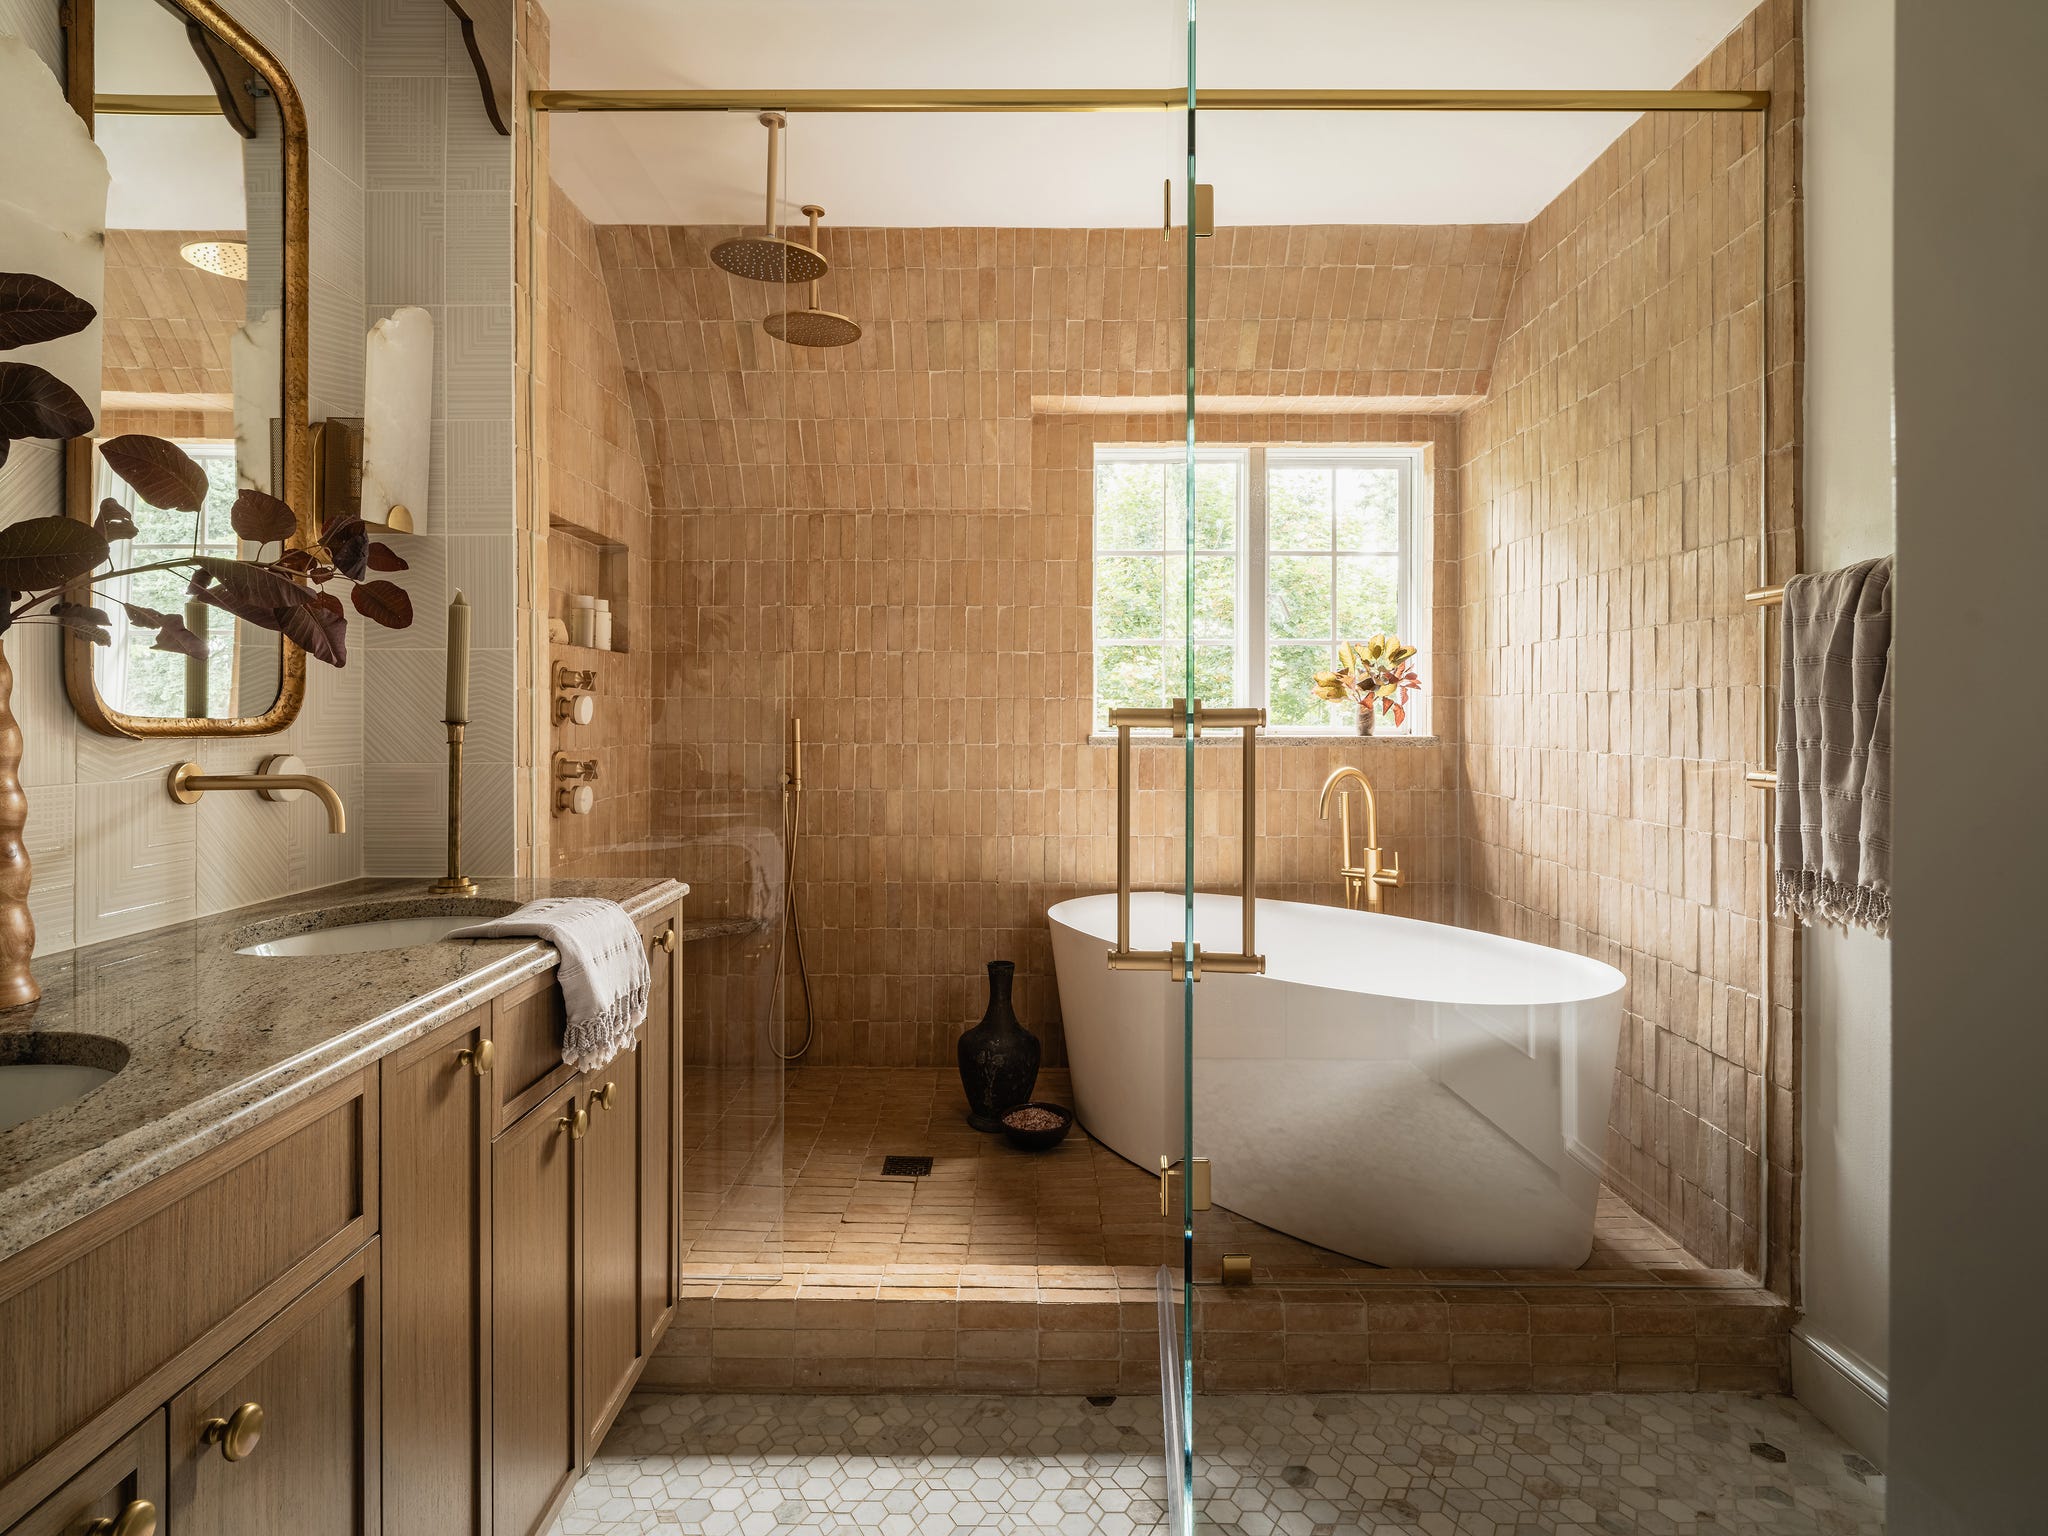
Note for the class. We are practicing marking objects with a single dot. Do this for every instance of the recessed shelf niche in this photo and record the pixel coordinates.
(583, 563)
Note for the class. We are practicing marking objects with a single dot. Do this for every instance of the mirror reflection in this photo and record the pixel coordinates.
(193, 335)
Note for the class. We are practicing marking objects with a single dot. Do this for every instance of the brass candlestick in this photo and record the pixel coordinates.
(457, 883)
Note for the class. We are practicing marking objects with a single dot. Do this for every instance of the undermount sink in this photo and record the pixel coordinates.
(41, 1072)
(367, 930)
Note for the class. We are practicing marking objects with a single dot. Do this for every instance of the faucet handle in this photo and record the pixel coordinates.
(1390, 874)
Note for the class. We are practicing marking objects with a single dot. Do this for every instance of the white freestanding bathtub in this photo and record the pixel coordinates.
(1406, 1093)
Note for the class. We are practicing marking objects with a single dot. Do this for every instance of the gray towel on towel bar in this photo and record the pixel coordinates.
(603, 974)
(1834, 837)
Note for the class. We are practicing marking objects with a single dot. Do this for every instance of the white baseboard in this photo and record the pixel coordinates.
(1842, 1392)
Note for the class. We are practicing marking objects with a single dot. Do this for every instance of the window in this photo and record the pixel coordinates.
(1295, 550)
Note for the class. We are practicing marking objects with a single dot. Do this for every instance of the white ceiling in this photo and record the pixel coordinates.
(168, 172)
(1105, 169)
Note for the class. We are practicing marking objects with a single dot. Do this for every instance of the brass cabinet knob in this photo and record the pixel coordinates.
(479, 1059)
(138, 1519)
(606, 1097)
(577, 1124)
(665, 941)
(238, 1434)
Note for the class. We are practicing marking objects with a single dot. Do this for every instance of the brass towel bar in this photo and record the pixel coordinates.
(1181, 960)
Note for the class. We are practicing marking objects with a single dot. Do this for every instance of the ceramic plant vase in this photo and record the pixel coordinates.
(17, 928)
(999, 1056)
(1365, 719)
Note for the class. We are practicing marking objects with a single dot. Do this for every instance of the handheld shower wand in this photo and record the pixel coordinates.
(791, 933)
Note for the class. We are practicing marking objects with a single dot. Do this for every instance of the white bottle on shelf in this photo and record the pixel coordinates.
(582, 620)
(601, 625)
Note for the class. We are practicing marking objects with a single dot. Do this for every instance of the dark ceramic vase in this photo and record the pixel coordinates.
(998, 1057)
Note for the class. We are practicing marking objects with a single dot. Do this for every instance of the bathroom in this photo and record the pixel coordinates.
(817, 588)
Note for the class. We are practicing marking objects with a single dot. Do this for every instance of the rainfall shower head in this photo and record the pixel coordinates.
(812, 326)
(767, 257)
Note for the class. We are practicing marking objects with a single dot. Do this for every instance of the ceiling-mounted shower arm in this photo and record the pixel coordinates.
(768, 257)
(814, 213)
(773, 122)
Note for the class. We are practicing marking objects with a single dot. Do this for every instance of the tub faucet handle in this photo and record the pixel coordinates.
(1389, 874)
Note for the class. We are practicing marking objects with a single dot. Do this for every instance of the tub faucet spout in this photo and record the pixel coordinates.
(1367, 879)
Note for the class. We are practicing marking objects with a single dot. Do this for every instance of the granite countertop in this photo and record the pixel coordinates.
(216, 1042)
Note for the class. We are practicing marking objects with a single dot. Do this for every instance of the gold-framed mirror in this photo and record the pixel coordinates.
(205, 327)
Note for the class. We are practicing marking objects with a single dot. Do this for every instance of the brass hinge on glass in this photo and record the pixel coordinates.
(1198, 1186)
(1182, 961)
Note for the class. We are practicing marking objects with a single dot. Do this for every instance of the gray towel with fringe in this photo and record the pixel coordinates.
(603, 974)
(1834, 836)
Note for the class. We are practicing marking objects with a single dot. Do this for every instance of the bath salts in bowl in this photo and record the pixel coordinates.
(1036, 1127)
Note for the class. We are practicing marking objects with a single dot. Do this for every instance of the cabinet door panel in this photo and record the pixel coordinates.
(611, 1242)
(313, 1470)
(537, 1437)
(128, 1474)
(660, 1100)
(436, 1281)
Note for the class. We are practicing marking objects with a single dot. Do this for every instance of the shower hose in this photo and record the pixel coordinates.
(790, 934)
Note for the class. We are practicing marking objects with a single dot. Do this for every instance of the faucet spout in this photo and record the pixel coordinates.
(272, 781)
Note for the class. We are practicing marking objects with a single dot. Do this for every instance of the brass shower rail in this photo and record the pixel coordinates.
(1173, 99)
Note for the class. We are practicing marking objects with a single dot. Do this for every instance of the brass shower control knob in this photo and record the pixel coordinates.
(238, 1434)
(575, 800)
(575, 709)
(138, 1519)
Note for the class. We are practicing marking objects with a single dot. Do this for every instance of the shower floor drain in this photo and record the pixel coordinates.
(906, 1167)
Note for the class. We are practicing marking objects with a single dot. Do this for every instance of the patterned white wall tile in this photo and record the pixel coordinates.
(407, 694)
(136, 865)
(49, 728)
(51, 840)
(486, 571)
(405, 258)
(488, 824)
(35, 23)
(404, 132)
(339, 21)
(271, 23)
(491, 708)
(242, 848)
(331, 84)
(479, 157)
(245, 754)
(406, 37)
(335, 371)
(426, 582)
(406, 832)
(113, 759)
(476, 495)
(315, 856)
(479, 247)
(335, 216)
(479, 353)
(330, 727)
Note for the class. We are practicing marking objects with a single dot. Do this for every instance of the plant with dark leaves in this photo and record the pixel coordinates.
(49, 566)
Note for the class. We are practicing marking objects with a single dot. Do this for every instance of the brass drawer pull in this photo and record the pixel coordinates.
(606, 1097)
(577, 1124)
(238, 1434)
(479, 1059)
(665, 941)
(138, 1519)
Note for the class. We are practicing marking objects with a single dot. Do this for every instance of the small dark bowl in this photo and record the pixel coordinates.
(1037, 1141)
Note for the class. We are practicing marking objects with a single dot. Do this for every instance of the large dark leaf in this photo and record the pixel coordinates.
(320, 628)
(34, 309)
(39, 553)
(247, 591)
(348, 546)
(173, 636)
(385, 602)
(261, 518)
(114, 522)
(148, 618)
(34, 402)
(384, 558)
(88, 621)
(163, 474)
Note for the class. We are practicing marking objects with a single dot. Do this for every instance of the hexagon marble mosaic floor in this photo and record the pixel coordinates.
(1704, 1464)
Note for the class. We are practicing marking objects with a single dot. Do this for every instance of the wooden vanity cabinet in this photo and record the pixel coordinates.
(282, 1434)
(125, 1483)
(436, 1284)
(661, 1133)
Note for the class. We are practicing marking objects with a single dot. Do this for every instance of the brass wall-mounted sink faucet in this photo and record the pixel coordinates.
(1365, 879)
(275, 780)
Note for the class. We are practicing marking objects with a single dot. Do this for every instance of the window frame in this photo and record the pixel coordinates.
(1251, 547)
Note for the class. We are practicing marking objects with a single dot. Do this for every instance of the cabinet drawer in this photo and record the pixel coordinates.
(102, 1322)
(526, 1029)
(121, 1482)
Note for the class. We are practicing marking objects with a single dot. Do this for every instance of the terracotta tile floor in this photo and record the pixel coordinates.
(1707, 1464)
(984, 1204)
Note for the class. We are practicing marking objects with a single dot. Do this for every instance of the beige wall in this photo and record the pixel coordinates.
(909, 521)
(1840, 1348)
(1969, 1051)
(1609, 515)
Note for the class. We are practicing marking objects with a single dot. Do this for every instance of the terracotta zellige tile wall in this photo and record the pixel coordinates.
(923, 532)
(1609, 499)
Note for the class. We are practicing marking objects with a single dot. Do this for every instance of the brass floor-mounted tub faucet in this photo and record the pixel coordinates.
(1364, 882)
